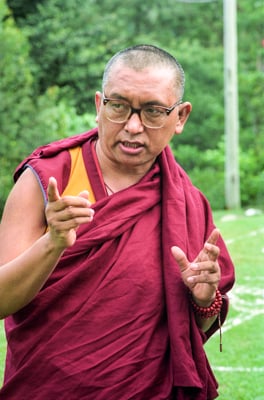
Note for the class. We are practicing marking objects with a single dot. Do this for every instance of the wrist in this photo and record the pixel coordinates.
(209, 310)
(54, 246)
(203, 303)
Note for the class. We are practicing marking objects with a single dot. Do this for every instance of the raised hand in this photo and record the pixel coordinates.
(202, 274)
(65, 214)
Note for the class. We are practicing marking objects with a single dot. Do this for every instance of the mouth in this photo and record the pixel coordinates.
(132, 145)
(132, 148)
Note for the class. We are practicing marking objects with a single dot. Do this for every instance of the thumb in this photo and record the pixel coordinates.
(84, 194)
(53, 193)
(214, 236)
(180, 257)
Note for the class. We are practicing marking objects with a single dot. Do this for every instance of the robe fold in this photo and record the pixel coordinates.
(114, 321)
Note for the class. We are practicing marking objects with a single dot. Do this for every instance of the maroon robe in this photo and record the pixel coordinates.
(114, 321)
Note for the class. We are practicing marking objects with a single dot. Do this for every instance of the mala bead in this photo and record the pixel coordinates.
(208, 312)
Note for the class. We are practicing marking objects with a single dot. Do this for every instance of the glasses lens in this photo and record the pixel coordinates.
(153, 117)
(117, 111)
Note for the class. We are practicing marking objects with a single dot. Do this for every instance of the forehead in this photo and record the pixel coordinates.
(146, 81)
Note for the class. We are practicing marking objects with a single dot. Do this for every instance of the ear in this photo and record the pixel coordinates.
(97, 99)
(183, 114)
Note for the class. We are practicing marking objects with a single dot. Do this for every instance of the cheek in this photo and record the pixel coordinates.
(155, 146)
(107, 131)
(162, 140)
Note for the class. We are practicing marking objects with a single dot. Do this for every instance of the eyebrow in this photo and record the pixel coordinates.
(117, 96)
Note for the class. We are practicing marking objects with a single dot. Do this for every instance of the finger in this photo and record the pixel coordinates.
(212, 250)
(205, 277)
(53, 193)
(210, 267)
(84, 194)
(214, 236)
(180, 257)
(68, 224)
(74, 213)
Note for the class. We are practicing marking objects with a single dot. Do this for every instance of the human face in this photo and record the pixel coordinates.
(131, 145)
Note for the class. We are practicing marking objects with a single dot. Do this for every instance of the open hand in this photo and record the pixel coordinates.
(202, 274)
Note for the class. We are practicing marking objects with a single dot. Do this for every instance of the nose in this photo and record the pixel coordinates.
(134, 123)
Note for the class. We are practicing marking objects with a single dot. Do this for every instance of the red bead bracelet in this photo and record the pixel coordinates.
(208, 312)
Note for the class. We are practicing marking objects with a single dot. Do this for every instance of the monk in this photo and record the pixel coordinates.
(113, 274)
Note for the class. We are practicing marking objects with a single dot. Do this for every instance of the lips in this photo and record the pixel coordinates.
(132, 145)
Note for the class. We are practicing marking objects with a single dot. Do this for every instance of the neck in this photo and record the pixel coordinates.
(117, 177)
(109, 190)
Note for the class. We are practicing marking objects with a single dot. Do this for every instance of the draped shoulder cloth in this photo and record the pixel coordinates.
(82, 329)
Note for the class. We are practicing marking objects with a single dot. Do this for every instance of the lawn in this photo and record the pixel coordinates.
(240, 367)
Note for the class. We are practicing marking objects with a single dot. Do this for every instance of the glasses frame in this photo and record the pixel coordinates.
(137, 111)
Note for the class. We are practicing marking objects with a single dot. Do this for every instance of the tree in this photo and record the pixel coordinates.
(69, 42)
(16, 90)
(27, 120)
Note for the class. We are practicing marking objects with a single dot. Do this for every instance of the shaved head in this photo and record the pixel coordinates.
(144, 56)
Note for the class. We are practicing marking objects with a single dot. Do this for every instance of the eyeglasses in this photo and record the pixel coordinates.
(151, 116)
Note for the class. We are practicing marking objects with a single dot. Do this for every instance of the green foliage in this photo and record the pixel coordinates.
(16, 91)
(27, 121)
(58, 118)
(21, 8)
(52, 60)
(206, 169)
(63, 36)
(252, 187)
(205, 126)
(72, 40)
(251, 115)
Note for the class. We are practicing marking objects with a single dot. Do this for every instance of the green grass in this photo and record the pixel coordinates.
(239, 369)
(2, 350)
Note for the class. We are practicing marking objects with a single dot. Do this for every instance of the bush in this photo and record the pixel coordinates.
(206, 170)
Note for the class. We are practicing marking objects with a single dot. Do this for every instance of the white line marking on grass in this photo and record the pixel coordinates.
(234, 322)
(239, 369)
(254, 278)
(250, 234)
(249, 304)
